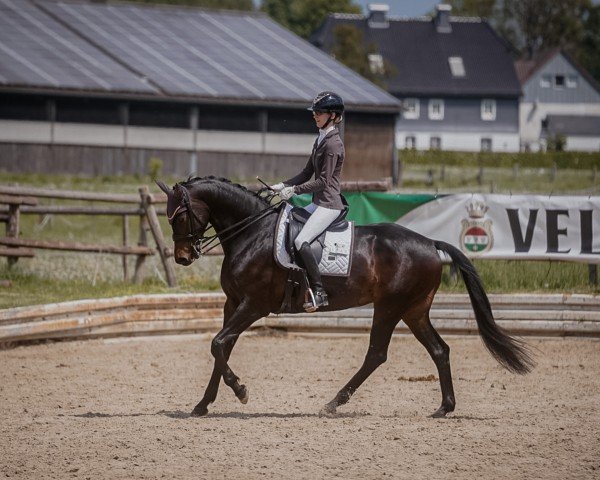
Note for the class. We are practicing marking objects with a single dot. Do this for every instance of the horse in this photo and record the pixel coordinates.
(397, 270)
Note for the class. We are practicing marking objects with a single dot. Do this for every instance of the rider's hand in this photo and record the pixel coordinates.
(286, 193)
(277, 187)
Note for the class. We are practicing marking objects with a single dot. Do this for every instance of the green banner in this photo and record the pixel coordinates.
(375, 207)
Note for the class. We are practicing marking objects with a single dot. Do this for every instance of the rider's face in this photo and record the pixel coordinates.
(320, 118)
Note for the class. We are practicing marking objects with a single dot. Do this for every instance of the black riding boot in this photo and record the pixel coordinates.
(314, 278)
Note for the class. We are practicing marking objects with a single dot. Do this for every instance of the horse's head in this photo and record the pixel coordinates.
(188, 218)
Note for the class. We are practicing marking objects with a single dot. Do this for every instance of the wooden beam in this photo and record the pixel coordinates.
(18, 200)
(79, 247)
(16, 252)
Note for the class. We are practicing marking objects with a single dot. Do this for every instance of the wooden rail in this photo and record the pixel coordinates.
(24, 200)
(192, 313)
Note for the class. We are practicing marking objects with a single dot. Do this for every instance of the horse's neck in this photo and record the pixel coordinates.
(228, 204)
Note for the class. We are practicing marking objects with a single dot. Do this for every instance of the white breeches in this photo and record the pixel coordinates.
(316, 224)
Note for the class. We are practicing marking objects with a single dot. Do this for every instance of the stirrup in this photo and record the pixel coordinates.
(316, 300)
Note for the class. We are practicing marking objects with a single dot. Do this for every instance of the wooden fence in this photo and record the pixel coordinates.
(24, 200)
(524, 314)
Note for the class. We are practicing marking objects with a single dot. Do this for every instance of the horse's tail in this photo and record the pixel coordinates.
(510, 352)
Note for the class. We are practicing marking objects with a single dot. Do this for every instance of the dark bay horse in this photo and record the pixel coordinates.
(396, 269)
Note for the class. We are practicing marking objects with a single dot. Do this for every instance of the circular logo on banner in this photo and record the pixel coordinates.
(476, 234)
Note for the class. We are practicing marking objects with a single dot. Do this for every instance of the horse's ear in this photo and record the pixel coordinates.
(164, 188)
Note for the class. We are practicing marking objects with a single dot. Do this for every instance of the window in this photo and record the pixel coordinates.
(456, 66)
(488, 109)
(376, 64)
(559, 81)
(435, 143)
(546, 81)
(436, 109)
(410, 108)
(411, 142)
(486, 144)
(572, 81)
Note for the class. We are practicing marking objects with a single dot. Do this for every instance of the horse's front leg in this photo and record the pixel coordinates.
(210, 394)
(221, 346)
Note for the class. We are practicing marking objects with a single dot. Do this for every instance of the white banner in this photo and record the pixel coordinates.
(528, 227)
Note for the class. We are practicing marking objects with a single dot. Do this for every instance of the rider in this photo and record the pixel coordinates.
(325, 162)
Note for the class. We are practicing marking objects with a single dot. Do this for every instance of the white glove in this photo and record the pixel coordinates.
(277, 187)
(286, 193)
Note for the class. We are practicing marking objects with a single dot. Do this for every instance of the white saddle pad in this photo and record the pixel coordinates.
(337, 252)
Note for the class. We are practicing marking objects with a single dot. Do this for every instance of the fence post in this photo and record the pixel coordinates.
(12, 227)
(142, 241)
(158, 235)
(593, 273)
(125, 243)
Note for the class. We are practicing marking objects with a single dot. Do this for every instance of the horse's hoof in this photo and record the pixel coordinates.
(439, 413)
(199, 411)
(328, 410)
(243, 395)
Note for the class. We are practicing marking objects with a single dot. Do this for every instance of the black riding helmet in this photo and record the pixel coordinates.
(327, 102)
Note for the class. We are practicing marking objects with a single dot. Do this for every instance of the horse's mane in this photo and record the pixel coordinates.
(191, 181)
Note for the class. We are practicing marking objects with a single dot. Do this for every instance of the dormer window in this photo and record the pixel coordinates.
(456, 66)
(376, 64)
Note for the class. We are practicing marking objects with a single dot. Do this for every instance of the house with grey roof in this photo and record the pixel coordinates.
(454, 75)
(103, 88)
(560, 99)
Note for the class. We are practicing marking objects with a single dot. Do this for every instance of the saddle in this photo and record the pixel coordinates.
(298, 217)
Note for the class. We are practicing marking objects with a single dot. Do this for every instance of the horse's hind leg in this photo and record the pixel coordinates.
(439, 351)
(381, 334)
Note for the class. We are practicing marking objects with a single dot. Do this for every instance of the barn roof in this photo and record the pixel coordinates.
(168, 52)
(420, 54)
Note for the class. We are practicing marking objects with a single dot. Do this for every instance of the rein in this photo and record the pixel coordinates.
(202, 245)
(205, 242)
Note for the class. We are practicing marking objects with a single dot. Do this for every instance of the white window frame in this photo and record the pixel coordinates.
(413, 142)
(438, 140)
(572, 81)
(436, 115)
(457, 67)
(556, 85)
(490, 115)
(414, 112)
(546, 81)
(376, 64)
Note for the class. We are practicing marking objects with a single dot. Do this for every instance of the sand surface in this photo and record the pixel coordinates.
(106, 409)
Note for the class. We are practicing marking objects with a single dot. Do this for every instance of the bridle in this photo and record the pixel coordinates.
(201, 245)
(194, 236)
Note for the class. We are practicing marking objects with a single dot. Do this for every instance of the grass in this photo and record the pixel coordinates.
(61, 276)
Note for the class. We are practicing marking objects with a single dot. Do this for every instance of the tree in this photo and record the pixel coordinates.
(303, 17)
(350, 49)
(215, 4)
(473, 8)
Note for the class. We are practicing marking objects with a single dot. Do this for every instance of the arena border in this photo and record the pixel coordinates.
(522, 314)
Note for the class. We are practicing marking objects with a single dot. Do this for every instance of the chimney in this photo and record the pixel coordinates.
(442, 18)
(378, 15)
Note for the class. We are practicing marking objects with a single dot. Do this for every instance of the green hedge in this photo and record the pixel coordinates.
(575, 160)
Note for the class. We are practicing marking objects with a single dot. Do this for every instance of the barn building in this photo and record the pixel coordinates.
(108, 88)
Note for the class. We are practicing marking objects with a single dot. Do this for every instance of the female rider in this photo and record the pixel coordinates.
(325, 163)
